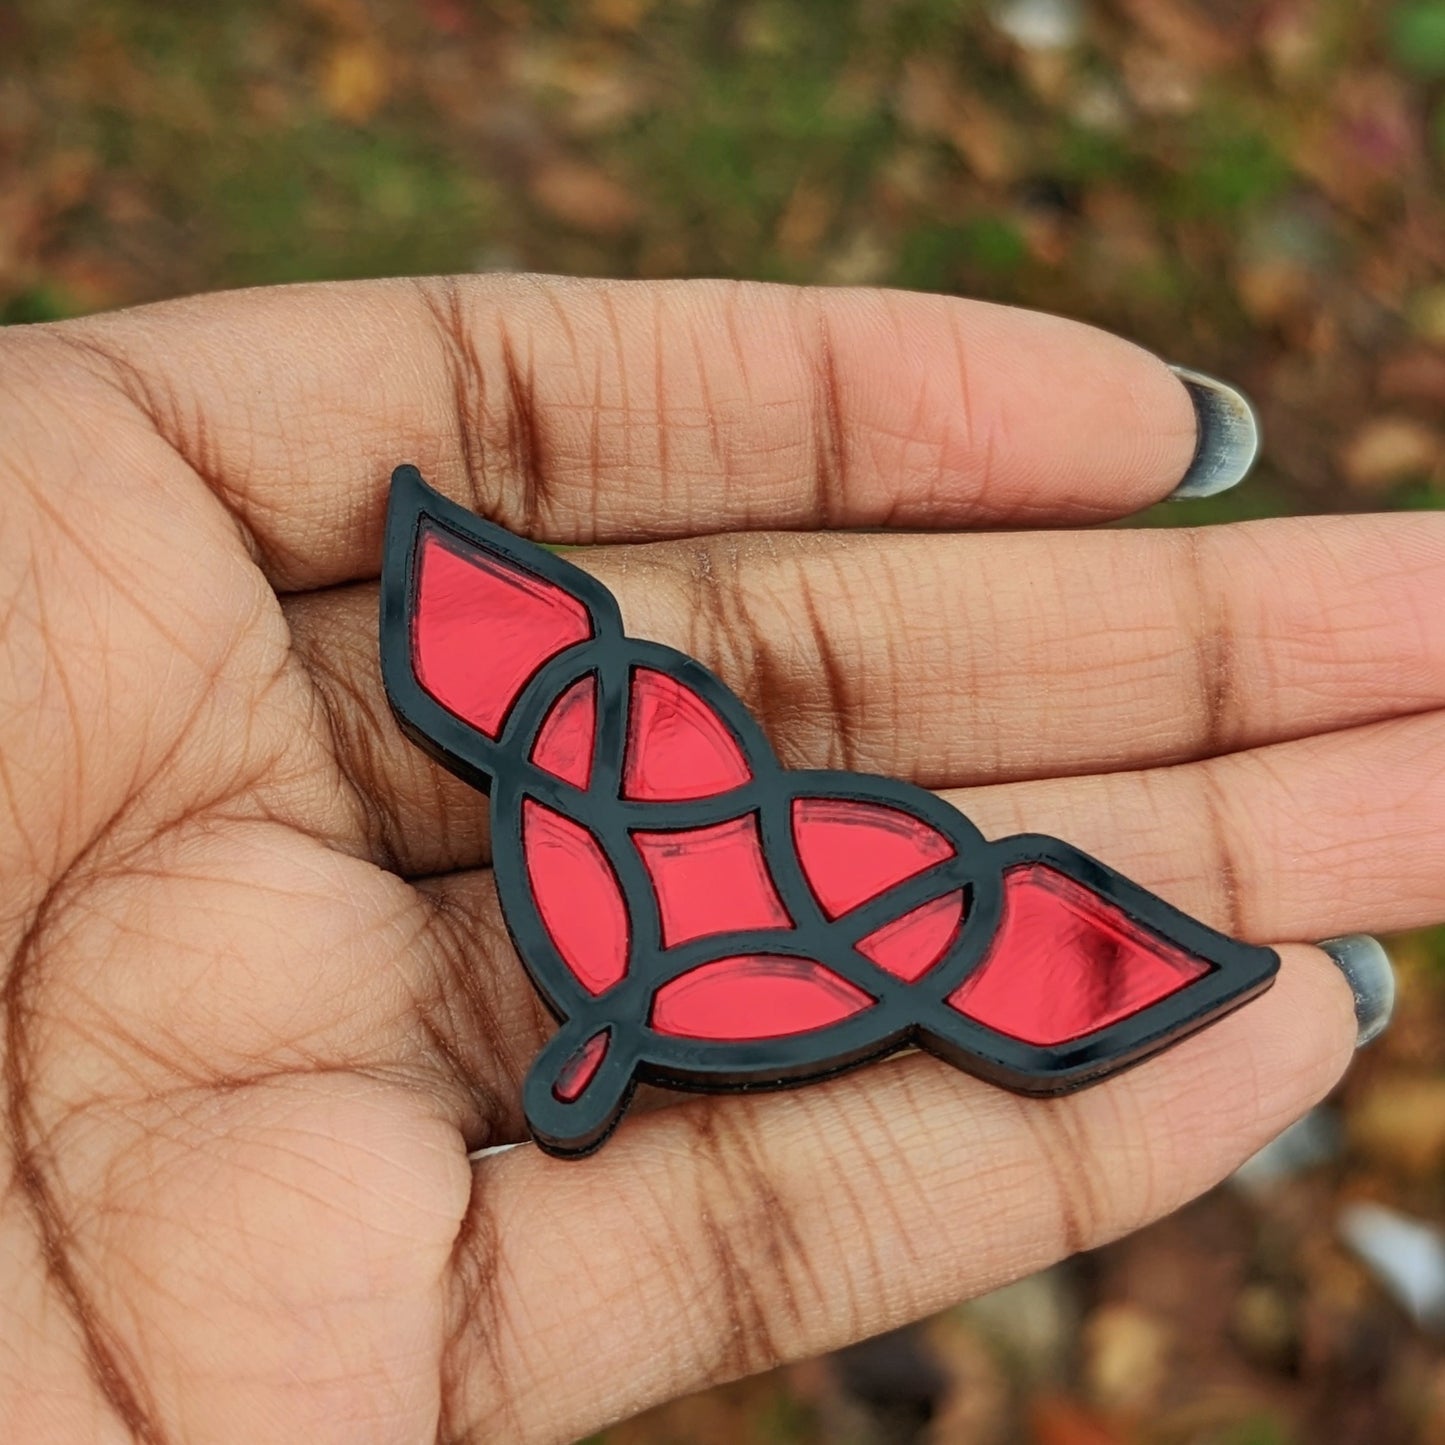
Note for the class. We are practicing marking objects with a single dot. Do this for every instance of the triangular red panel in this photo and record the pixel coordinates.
(909, 946)
(565, 739)
(482, 627)
(851, 851)
(677, 746)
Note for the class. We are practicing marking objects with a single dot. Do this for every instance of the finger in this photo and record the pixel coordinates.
(585, 411)
(960, 660)
(1308, 839)
(1332, 834)
(723, 1237)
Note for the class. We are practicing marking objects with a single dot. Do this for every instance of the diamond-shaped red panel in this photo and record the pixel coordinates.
(1065, 963)
(711, 880)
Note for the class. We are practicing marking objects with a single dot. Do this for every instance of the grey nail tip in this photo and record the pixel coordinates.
(1367, 968)
(1228, 437)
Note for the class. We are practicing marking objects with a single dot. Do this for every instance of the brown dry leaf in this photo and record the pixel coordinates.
(805, 221)
(1361, 150)
(1158, 83)
(93, 279)
(931, 103)
(1199, 36)
(976, 1409)
(986, 141)
(1432, 1422)
(1427, 313)
(1126, 1358)
(1416, 375)
(355, 80)
(584, 196)
(1390, 449)
(862, 258)
(1291, 38)
(925, 97)
(620, 14)
(602, 91)
(1265, 1327)
(1275, 289)
(1400, 1123)
(1058, 1421)
(22, 216)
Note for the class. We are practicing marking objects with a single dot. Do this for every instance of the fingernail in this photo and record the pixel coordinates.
(1366, 967)
(1227, 436)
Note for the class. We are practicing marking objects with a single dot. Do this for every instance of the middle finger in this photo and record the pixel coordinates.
(956, 661)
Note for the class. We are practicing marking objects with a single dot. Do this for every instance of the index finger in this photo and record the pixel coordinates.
(601, 411)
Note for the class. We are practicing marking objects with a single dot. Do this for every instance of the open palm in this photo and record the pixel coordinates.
(258, 1003)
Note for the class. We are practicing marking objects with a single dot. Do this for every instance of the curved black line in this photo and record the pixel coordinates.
(902, 1012)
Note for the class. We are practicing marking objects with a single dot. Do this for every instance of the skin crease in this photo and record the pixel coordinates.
(257, 1001)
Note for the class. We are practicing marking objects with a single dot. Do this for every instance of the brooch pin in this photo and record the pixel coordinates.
(698, 916)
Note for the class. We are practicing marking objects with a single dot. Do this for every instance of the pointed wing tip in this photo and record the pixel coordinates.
(410, 491)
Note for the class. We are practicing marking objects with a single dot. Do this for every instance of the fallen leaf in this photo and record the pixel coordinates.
(1058, 1421)
(355, 80)
(976, 1407)
(1416, 375)
(1197, 36)
(1265, 1326)
(1390, 449)
(1291, 38)
(1159, 83)
(584, 196)
(620, 14)
(804, 221)
(930, 103)
(1126, 1358)
(1427, 313)
(1400, 1121)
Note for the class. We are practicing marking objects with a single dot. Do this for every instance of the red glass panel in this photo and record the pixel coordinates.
(754, 996)
(909, 946)
(1065, 963)
(853, 851)
(711, 880)
(677, 746)
(564, 741)
(482, 628)
(576, 895)
(577, 1072)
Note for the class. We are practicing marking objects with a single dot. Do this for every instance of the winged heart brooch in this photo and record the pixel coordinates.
(698, 916)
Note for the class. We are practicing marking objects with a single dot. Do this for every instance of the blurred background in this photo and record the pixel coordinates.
(1256, 189)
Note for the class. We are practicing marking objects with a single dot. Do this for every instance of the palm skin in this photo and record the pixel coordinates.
(259, 1006)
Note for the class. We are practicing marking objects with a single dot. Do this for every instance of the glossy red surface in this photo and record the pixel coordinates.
(909, 946)
(482, 628)
(754, 996)
(564, 741)
(711, 880)
(577, 1072)
(1065, 963)
(577, 896)
(851, 851)
(677, 746)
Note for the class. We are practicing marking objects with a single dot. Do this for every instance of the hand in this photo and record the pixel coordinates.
(258, 1002)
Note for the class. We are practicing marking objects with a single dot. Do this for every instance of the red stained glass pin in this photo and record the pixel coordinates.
(698, 916)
